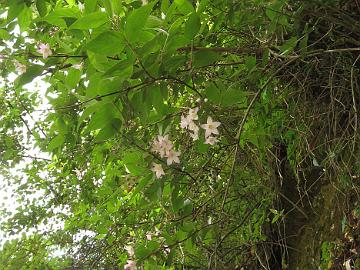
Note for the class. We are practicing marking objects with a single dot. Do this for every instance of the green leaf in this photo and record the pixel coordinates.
(177, 42)
(41, 7)
(134, 162)
(90, 6)
(137, 20)
(99, 61)
(103, 117)
(108, 7)
(57, 17)
(72, 78)
(164, 6)
(250, 62)
(31, 73)
(213, 93)
(202, 5)
(155, 97)
(192, 26)
(90, 21)
(184, 6)
(107, 43)
(70, 2)
(122, 70)
(289, 46)
(109, 131)
(4, 34)
(56, 142)
(15, 8)
(232, 96)
(177, 201)
(24, 18)
(204, 58)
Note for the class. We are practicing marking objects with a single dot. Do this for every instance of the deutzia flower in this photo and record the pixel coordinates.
(19, 67)
(185, 122)
(165, 143)
(211, 140)
(130, 250)
(211, 127)
(158, 170)
(193, 114)
(45, 50)
(172, 157)
(81, 7)
(130, 265)
(193, 127)
(78, 66)
(195, 135)
(149, 236)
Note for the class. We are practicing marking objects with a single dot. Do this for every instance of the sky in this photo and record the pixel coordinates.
(7, 199)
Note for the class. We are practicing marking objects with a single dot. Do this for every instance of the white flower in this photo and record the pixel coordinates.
(166, 249)
(130, 265)
(130, 250)
(78, 173)
(45, 50)
(149, 236)
(184, 122)
(158, 170)
(193, 127)
(156, 147)
(172, 157)
(19, 67)
(210, 127)
(81, 7)
(211, 140)
(192, 115)
(165, 143)
(78, 66)
(194, 135)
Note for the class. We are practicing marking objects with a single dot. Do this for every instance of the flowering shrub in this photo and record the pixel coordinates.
(165, 126)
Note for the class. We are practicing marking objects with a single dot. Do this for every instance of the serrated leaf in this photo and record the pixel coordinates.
(192, 26)
(289, 45)
(56, 142)
(204, 58)
(107, 43)
(136, 21)
(31, 73)
(24, 18)
(134, 162)
(232, 96)
(90, 21)
(102, 117)
(4, 34)
(213, 93)
(90, 6)
(15, 8)
(184, 6)
(250, 62)
(72, 78)
(41, 7)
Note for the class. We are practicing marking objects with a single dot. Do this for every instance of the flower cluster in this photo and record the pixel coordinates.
(211, 130)
(165, 148)
(45, 50)
(188, 122)
(131, 263)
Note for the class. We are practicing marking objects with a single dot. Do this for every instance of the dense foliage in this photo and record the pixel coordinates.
(177, 134)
